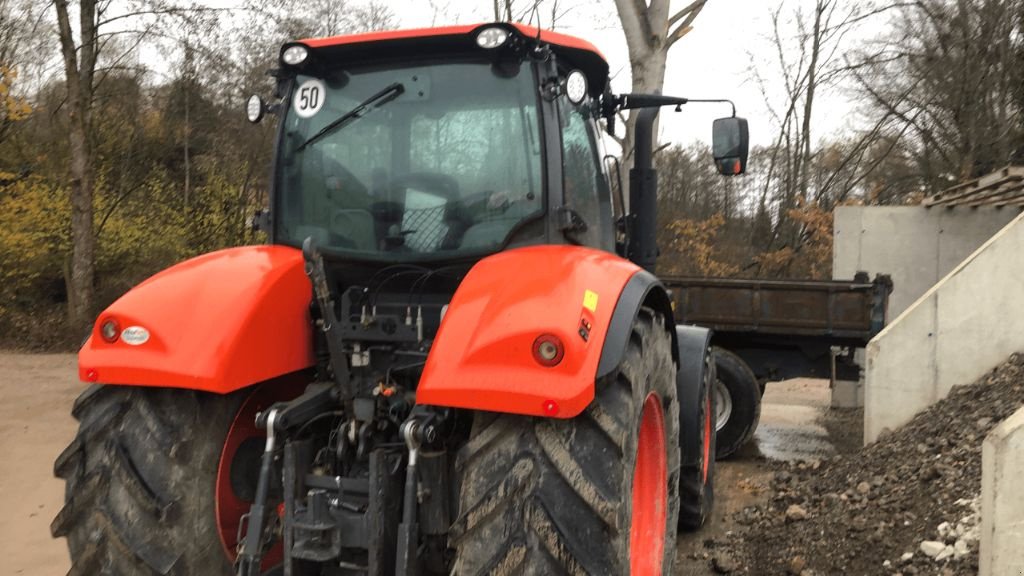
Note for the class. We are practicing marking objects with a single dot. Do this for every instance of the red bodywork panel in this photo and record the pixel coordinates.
(483, 355)
(217, 323)
(547, 36)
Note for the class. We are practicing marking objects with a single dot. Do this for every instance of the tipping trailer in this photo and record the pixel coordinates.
(769, 330)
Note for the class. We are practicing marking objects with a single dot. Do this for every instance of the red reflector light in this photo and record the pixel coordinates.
(550, 408)
(91, 375)
(548, 350)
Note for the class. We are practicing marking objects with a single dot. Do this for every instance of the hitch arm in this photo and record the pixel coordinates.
(251, 555)
(331, 323)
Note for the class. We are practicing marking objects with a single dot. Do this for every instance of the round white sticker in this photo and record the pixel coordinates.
(135, 335)
(309, 98)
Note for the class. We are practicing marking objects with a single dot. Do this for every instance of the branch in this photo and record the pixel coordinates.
(158, 12)
(690, 12)
(676, 34)
(688, 15)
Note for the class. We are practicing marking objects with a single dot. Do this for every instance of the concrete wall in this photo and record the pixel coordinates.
(1002, 504)
(916, 245)
(970, 321)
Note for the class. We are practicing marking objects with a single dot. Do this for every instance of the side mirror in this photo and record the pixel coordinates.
(730, 143)
(254, 109)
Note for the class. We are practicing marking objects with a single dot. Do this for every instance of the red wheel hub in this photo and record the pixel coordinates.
(650, 493)
(240, 456)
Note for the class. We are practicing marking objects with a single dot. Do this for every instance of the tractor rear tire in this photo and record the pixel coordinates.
(546, 496)
(140, 477)
(739, 391)
(698, 440)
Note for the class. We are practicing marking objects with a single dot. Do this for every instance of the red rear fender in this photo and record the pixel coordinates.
(217, 323)
(483, 357)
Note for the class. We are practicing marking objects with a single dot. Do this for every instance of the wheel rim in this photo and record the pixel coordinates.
(723, 404)
(230, 506)
(650, 493)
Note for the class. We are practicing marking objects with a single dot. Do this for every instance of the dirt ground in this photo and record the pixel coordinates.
(795, 426)
(35, 425)
(37, 392)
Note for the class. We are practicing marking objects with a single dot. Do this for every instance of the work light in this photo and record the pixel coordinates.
(294, 55)
(489, 38)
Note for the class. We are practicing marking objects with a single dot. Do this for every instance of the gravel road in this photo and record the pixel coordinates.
(35, 425)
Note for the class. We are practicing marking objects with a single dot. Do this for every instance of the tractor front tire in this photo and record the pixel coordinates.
(140, 477)
(546, 496)
(698, 440)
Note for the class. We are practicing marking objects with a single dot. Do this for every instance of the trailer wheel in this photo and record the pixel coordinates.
(698, 441)
(147, 484)
(596, 494)
(737, 401)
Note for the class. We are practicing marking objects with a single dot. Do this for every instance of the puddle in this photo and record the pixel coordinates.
(790, 416)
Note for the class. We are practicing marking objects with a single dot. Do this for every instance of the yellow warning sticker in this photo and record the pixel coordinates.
(590, 300)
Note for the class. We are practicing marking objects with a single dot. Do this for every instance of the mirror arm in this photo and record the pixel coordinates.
(718, 100)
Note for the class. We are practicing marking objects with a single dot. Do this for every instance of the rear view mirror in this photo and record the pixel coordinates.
(730, 142)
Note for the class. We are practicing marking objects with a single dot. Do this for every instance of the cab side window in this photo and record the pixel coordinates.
(586, 190)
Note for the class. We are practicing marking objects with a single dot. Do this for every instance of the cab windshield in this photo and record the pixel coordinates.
(414, 163)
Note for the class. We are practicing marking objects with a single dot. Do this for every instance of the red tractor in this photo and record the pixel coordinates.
(452, 358)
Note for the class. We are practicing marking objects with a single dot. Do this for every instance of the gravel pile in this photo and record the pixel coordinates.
(907, 504)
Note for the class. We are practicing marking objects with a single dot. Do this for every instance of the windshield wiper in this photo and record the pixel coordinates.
(373, 102)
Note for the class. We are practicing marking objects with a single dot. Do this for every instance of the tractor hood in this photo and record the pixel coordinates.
(217, 323)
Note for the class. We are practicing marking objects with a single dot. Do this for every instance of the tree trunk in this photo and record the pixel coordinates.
(79, 65)
(83, 241)
(650, 32)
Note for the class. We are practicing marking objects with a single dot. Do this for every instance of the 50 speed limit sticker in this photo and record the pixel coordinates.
(309, 98)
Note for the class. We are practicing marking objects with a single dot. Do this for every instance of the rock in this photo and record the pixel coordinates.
(797, 565)
(887, 500)
(961, 549)
(795, 513)
(723, 564)
(931, 548)
(947, 552)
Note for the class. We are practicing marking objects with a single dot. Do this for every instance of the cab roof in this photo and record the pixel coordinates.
(369, 46)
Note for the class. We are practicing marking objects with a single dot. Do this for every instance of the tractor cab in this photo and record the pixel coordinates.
(469, 141)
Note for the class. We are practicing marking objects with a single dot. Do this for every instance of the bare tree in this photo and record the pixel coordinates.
(950, 75)
(79, 72)
(100, 27)
(651, 30)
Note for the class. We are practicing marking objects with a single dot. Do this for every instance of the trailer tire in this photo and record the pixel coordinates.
(556, 496)
(739, 396)
(140, 481)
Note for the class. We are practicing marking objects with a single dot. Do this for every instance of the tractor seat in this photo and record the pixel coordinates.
(493, 230)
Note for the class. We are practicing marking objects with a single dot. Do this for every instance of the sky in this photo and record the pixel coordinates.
(712, 61)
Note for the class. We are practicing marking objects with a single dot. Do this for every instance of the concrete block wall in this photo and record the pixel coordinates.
(1002, 499)
(917, 246)
(970, 321)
